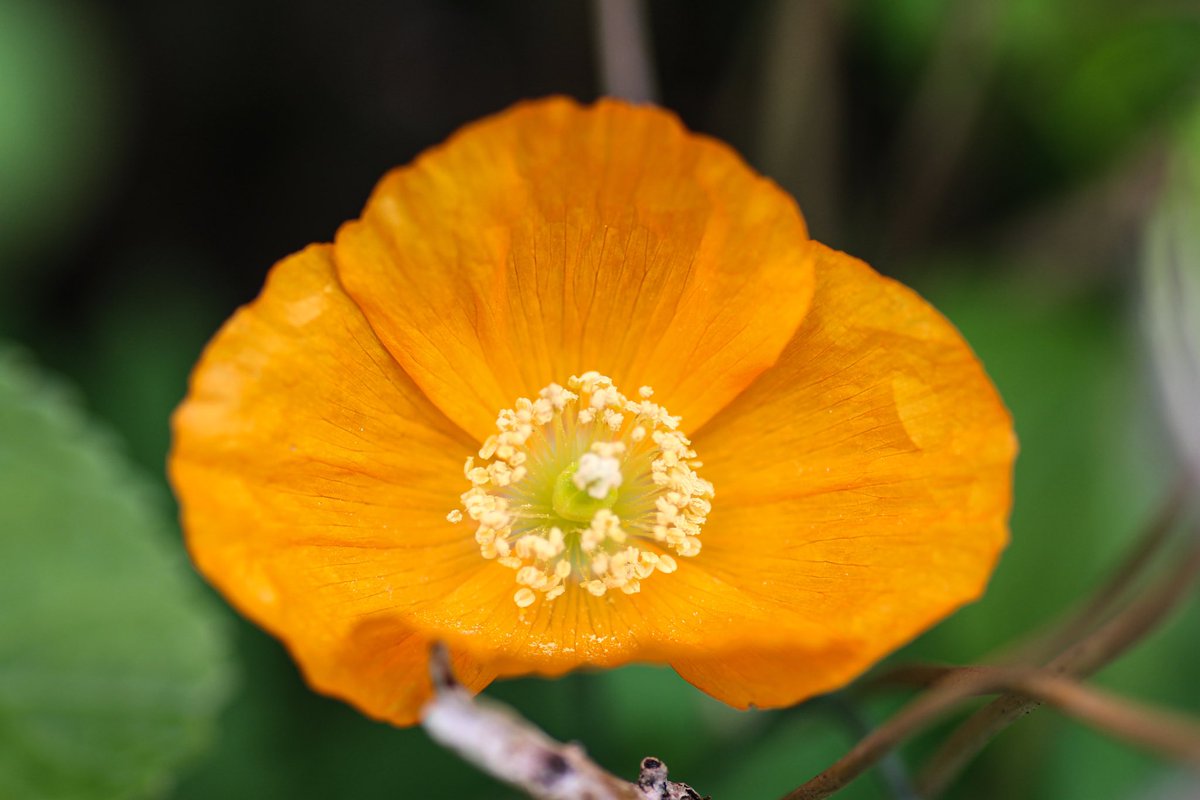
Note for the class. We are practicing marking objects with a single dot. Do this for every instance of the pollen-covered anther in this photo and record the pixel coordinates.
(583, 487)
(597, 474)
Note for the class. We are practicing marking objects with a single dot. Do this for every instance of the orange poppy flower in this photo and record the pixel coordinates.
(690, 434)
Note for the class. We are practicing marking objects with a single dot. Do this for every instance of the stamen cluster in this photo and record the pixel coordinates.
(583, 485)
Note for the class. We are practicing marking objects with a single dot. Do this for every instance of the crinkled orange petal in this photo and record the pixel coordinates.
(862, 483)
(770, 675)
(862, 492)
(672, 614)
(314, 479)
(553, 239)
(860, 456)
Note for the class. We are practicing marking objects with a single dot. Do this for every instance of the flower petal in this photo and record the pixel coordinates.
(551, 239)
(691, 612)
(765, 675)
(314, 479)
(864, 482)
(861, 460)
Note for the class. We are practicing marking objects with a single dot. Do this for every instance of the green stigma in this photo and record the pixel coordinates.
(575, 504)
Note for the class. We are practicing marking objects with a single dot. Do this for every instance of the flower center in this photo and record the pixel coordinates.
(583, 489)
(584, 485)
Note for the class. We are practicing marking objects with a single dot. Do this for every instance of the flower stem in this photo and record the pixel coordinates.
(623, 50)
(1153, 729)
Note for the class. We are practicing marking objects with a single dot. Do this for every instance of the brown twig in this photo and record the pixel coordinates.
(950, 686)
(1139, 618)
(891, 770)
(511, 749)
(917, 676)
(1140, 725)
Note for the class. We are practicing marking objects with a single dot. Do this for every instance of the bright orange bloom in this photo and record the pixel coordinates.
(739, 452)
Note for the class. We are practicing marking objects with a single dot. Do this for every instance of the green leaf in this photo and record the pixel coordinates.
(61, 137)
(112, 663)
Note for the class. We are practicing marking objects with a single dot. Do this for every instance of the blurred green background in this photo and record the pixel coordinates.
(1001, 156)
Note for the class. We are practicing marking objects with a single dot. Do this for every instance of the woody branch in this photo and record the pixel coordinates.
(510, 749)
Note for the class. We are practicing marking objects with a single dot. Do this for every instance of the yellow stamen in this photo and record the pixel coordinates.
(585, 486)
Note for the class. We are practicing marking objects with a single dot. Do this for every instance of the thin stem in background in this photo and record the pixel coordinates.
(1140, 617)
(623, 51)
(953, 686)
(891, 767)
(798, 133)
(1152, 729)
(934, 135)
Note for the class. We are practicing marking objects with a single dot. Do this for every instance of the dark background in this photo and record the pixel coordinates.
(1002, 157)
